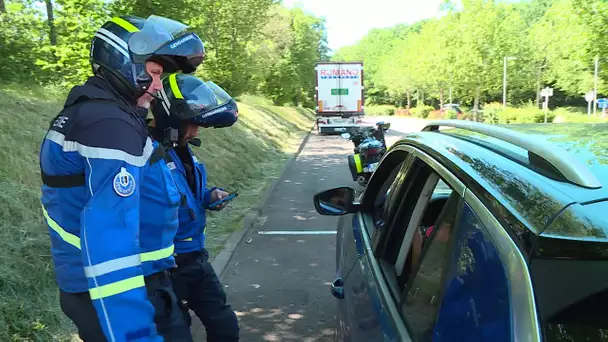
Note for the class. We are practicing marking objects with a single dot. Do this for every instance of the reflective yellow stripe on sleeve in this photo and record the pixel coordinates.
(75, 241)
(117, 287)
(65, 236)
(158, 254)
(187, 239)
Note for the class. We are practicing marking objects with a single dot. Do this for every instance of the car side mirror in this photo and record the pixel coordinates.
(336, 201)
(345, 136)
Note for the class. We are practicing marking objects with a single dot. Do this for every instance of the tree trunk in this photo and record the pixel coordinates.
(2, 7)
(51, 22)
(409, 99)
(476, 103)
(441, 99)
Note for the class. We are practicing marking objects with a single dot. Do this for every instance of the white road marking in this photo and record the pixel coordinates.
(297, 232)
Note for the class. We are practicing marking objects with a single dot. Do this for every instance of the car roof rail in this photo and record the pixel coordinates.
(569, 167)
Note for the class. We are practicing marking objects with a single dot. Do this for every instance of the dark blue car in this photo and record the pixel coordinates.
(477, 233)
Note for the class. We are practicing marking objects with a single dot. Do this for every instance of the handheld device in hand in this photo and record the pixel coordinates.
(225, 199)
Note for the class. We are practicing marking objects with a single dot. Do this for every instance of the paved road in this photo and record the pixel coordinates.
(279, 284)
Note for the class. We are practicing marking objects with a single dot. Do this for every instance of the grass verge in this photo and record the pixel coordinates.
(247, 157)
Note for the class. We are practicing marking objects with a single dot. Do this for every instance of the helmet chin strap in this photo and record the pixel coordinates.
(195, 142)
(156, 97)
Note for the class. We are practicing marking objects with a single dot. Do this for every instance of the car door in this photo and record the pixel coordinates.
(357, 307)
(429, 195)
(449, 267)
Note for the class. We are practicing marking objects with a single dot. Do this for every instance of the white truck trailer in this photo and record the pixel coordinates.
(339, 96)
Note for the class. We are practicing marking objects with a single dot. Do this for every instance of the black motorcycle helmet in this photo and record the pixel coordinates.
(187, 99)
(123, 45)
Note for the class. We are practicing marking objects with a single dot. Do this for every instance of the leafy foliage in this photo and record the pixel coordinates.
(553, 42)
(253, 46)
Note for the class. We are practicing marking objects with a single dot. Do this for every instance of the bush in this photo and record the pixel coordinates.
(422, 111)
(403, 112)
(380, 110)
(443, 114)
(450, 114)
(528, 114)
(491, 112)
(569, 114)
(435, 114)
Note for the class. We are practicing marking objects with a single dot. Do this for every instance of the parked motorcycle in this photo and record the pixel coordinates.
(370, 146)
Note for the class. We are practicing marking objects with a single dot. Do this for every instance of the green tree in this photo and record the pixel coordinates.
(565, 45)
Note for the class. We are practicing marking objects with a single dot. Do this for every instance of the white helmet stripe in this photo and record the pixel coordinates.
(114, 37)
(165, 101)
(109, 41)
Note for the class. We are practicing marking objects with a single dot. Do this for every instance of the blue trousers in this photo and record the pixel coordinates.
(196, 283)
(168, 314)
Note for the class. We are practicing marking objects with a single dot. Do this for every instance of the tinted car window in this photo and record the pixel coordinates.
(382, 197)
(475, 305)
(423, 291)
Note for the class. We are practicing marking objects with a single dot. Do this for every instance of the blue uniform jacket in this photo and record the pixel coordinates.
(159, 205)
(191, 234)
(94, 225)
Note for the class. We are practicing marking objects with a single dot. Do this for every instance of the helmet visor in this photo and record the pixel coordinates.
(174, 28)
(205, 98)
(220, 94)
(156, 32)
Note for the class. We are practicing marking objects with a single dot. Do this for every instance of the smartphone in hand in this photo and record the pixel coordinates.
(230, 197)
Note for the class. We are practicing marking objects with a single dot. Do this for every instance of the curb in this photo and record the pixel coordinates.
(221, 260)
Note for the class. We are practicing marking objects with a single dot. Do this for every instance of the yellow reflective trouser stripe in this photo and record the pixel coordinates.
(174, 88)
(358, 163)
(75, 241)
(158, 254)
(117, 287)
(124, 24)
(67, 237)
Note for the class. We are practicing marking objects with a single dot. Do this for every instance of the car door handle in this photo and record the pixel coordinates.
(337, 288)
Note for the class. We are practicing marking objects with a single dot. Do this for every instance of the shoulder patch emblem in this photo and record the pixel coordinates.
(194, 159)
(124, 183)
(171, 165)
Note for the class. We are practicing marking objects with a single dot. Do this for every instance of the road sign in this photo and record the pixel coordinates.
(589, 96)
(602, 103)
(546, 92)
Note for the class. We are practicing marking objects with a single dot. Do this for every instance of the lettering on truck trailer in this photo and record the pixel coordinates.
(339, 73)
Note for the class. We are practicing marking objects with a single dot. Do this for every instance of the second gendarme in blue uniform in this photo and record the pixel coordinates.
(93, 159)
(190, 103)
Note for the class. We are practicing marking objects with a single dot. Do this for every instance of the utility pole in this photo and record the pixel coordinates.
(504, 81)
(597, 60)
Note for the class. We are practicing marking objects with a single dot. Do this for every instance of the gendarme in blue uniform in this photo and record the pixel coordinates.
(94, 228)
(159, 205)
(192, 221)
